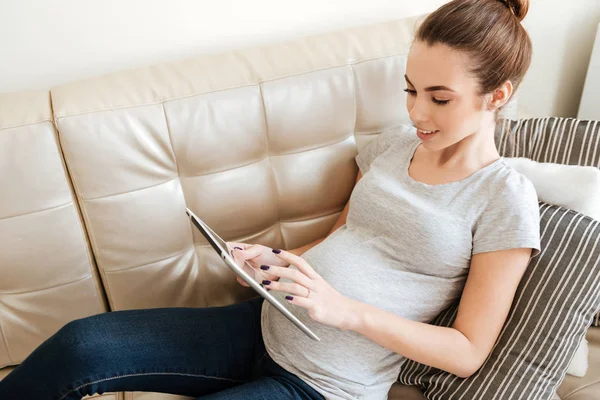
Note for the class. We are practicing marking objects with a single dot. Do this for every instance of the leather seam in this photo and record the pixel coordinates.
(277, 218)
(90, 275)
(290, 221)
(25, 124)
(130, 191)
(147, 374)
(162, 106)
(354, 90)
(318, 147)
(102, 291)
(38, 211)
(148, 263)
(311, 218)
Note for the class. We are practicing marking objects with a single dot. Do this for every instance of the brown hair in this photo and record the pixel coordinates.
(489, 32)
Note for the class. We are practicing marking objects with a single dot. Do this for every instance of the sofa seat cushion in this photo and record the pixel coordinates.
(108, 396)
(588, 386)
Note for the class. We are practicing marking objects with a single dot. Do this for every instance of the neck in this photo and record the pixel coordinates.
(473, 152)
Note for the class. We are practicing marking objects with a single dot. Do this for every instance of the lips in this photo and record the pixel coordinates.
(426, 135)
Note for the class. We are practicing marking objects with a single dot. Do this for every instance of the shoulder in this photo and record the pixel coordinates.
(512, 189)
(514, 182)
(511, 216)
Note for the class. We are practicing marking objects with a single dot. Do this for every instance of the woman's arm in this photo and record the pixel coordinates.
(462, 349)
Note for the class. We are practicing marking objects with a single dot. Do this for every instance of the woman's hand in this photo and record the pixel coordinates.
(323, 303)
(256, 255)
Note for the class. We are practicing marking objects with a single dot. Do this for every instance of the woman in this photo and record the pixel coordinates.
(435, 215)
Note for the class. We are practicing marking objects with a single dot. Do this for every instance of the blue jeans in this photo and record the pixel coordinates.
(209, 353)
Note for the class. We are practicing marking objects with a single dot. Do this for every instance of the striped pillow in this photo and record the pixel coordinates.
(566, 141)
(557, 140)
(552, 310)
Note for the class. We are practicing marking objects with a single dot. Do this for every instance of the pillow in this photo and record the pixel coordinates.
(570, 186)
(579, 364)
(566, 141)
(552, 310)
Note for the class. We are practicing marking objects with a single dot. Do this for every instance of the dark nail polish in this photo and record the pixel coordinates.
(289, 298)
(276, 251)
(265, 282)
(264, 267)
(239, 248)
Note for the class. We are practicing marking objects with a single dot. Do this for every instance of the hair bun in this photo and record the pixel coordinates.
(519, 8)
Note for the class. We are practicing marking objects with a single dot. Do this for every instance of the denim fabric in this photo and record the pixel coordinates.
(209, 353)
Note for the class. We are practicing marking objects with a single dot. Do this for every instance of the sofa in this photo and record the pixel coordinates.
(260, 142)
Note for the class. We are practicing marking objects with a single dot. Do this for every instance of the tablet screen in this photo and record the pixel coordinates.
(255, 273)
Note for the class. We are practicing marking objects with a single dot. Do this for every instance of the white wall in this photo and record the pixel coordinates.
(562, 33)
(589, 108)
(44, 43)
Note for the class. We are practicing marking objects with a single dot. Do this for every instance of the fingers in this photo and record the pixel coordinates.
(232, 245)
(243, 246)
(298, 261)
(249, 252)
(300, 301)
(261, 275)
(289, 273)
(291, 288)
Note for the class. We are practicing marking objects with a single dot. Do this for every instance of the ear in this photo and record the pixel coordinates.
(500, 96)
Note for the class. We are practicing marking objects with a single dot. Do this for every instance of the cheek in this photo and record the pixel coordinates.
(455, 121)
(463, 121)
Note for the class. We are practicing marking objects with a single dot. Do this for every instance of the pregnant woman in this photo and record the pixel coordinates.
(435, 215)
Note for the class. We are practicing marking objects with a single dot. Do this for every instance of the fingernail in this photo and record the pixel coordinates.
(265, 267)
(276, 251)
(265, 282)
(289, 298)
(238, 248)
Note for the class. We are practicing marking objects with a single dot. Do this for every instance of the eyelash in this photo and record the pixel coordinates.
(436, 101)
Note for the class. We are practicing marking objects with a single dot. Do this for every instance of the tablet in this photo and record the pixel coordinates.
(246, 272)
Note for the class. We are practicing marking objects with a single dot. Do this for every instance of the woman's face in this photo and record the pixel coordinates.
(442, 96)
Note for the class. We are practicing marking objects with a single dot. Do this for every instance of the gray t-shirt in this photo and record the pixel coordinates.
(405, 248)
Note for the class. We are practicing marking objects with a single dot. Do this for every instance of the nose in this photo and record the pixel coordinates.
(418, 110)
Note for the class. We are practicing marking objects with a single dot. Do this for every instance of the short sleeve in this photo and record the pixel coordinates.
(377, 146)
(510, 220)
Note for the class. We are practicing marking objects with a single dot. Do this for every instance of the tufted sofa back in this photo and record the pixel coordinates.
(260, 143)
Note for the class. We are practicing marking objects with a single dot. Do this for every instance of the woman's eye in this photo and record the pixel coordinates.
(412, 92)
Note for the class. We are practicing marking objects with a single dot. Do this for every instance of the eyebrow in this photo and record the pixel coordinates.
(431, 88)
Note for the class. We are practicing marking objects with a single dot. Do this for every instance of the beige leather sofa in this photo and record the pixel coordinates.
(95, 176)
